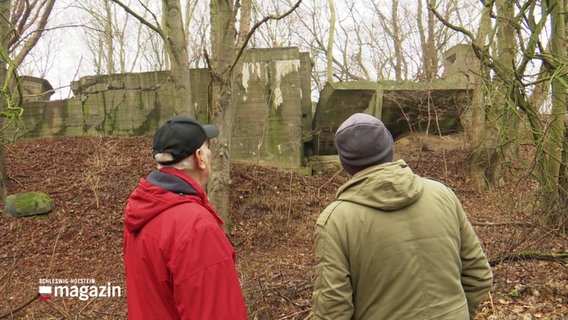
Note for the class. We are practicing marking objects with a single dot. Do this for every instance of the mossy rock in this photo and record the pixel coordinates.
(28, 204)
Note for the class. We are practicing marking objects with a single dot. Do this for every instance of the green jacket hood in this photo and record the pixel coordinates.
(390, 186)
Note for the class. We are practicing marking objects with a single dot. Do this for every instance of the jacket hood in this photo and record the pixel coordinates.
(390, 186)
(160, 191)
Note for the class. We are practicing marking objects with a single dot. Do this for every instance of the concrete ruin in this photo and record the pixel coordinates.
(404, 107)
(436, 107)
(273, 112)
(273, 108)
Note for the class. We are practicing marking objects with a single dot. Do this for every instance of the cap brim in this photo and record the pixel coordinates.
(211, 131)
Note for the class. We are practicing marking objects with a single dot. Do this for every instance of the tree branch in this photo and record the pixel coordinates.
(23, 305)
(256, 26)
(140, 18)
(503, 224)
(529, 255)
(449, 24)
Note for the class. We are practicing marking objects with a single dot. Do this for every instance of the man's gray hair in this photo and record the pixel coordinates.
(185, 164)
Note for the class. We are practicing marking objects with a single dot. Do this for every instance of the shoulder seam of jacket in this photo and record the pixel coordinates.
(324, 216)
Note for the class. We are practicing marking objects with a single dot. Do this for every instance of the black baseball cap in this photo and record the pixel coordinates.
(181, 136)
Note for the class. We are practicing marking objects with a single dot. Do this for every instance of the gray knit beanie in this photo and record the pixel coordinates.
(363, 141)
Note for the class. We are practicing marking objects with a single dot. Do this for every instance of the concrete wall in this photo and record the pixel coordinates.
(437, 106)
(460, 63)
(403, 107)
(273, 112)
(271, 108)
(35, 89)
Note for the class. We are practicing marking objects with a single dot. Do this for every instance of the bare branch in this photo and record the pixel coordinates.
(449, 24)
(139, 18)
(23, 305)
(522, 256)
(256, 26)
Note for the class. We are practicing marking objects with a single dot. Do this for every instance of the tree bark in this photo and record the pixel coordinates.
(502, 116)
(428, 43)
(4, 28)
(173, 35)
(329, 50)
(176, 44)
(494, 133)
(555, 150)
(523, 256)
(397, 42)
(109, 32)
(223, 34)
(474, 117)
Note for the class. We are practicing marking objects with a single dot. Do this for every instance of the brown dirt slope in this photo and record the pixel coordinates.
(274, 212)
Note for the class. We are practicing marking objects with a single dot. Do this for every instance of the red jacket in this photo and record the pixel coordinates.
(179, 263)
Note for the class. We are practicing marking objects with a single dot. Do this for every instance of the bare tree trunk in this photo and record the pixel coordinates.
(176, 44)
(109, 36)
(244, 23)
(431, 52)
(474, 123)
(173, 35)
(503, 109)
(40, 18)
(329, 50)
(397, 42)
(556, 140)
(224, 72)
(494, 133)
(4, 27)
(563, 183)
(428, 43)
(223, 34)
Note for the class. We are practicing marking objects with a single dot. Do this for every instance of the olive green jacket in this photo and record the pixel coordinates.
(397, 246)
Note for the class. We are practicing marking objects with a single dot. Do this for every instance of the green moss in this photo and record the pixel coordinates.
(33, 200)
(28, 203)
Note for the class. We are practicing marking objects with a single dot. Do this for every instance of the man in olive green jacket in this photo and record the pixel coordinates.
(393, 245)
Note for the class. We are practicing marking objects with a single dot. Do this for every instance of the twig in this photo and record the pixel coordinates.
(294, 314)
(522, 256)
(287, 299)
(504, 224)
(539, 238)
(256, 26)
(53, 251)
(25, 304)
(491, 301)
(108, 313)
(61, 311)
(330, 179)
(9, 270)
(85, 307)
(257, 179)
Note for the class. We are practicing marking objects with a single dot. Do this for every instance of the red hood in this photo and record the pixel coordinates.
(149, 200)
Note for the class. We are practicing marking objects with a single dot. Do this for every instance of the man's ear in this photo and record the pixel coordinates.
(198, 158)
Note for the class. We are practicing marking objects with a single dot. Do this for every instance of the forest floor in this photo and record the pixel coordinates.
(274, 213)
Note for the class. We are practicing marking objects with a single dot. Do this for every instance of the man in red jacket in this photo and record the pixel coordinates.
(179, 263)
